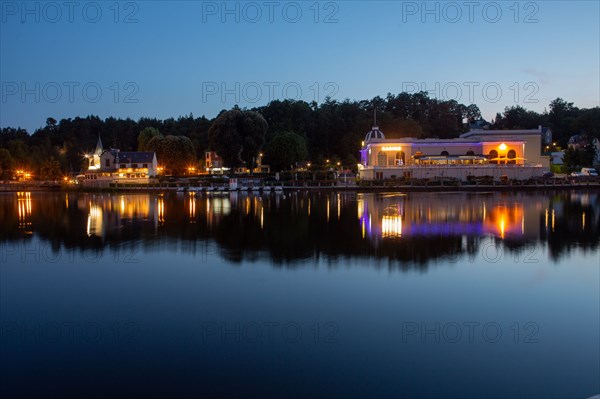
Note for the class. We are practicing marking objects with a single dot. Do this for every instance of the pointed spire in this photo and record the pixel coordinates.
(99, 148)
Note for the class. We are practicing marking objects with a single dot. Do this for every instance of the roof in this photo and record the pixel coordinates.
(374, 133)
(514, 132)
(134, 157)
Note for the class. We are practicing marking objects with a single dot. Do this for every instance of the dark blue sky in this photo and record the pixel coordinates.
(158, 59)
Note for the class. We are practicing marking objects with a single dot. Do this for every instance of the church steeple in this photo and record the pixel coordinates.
(99, 147)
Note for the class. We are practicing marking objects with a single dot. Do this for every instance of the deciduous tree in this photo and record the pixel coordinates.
(237, 136)
(285, 150)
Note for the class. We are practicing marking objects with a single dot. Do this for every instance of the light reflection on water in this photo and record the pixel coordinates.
(315, 223)
(187, 289)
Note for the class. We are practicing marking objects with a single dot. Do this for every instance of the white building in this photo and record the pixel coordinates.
(113, 165)
(515, 154)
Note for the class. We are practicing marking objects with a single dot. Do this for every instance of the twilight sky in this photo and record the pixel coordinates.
(159, 59)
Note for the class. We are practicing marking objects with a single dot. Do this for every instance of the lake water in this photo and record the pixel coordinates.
(302, 294)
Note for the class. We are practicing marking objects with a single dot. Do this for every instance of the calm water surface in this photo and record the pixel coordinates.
(303, 294)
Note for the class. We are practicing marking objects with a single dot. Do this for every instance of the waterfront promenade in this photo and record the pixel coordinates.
(316, 185)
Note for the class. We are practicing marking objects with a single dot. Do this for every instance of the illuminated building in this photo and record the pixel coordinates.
(214, 163)
(515, 154)
(113, 165)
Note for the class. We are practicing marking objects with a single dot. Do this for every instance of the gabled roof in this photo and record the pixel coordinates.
(135, 157)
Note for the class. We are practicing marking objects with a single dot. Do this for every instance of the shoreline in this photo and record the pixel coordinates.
(13, 188)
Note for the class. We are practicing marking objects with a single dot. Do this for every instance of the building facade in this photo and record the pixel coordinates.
(113, 166)
(515, 154)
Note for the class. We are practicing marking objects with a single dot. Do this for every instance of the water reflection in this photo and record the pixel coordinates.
(24, 211)
(94, 224)
(410, 228)
(394, 216)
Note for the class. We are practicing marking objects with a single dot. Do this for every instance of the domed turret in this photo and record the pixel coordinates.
(374, 134)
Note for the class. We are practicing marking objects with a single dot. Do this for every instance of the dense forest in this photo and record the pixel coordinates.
(332, 130)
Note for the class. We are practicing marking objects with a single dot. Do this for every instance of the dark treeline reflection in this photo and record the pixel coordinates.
(409, 230)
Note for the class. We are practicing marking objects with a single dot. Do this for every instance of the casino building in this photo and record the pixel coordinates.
(513, 154)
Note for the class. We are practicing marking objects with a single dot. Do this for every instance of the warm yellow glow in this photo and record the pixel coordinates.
(23, 174)
(161, 210)
(505, 219)
(192, 208)
(24, 208)
(391, 226)
(308, 164)
(94, 222)
(262, 217)
(360, 208)
(391, 148)
(583, 221)
(553, 217)
(134, 206)
(502, 147)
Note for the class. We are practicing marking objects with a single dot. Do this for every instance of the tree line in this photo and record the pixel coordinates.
(286, 131)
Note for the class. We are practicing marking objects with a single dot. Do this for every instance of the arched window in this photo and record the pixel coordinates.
(444, 153)
(493, 156)
(511, 155)
(382, 159)
(400, 158)
(470, 152)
